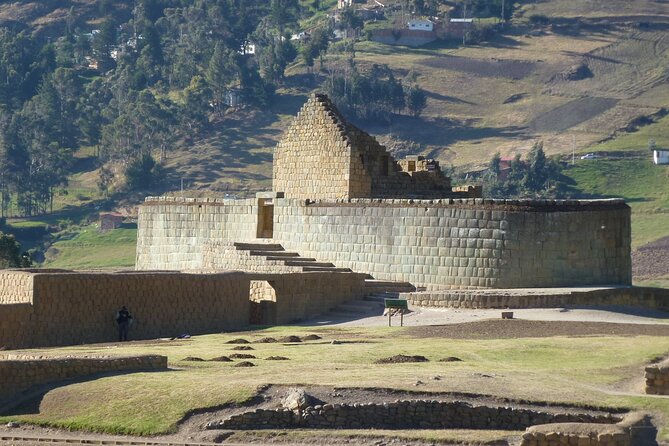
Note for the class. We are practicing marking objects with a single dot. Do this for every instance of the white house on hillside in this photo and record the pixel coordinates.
(660, 156)
(420, 25)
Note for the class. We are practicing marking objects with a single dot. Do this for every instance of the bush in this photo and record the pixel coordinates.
(539, 20)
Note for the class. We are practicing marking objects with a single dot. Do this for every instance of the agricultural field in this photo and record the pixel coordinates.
(494, 362)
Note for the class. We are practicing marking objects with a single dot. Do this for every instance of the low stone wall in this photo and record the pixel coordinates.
(74, 308)
(19, 373)
(657, 378)
(655, 298)
(576, 434)
(15, 288)
(401, 415)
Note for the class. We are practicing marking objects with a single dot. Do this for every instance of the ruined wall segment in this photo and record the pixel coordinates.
(19, 373)
(172, 230)
(313, 158)
(322, 156)
(442, 244)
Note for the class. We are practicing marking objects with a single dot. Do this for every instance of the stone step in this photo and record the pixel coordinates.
(307, 262)
(274, 253)
(358, 307)
(386, 285)
(325, 268)
(242, 246)
(381, 297)
(285, 259)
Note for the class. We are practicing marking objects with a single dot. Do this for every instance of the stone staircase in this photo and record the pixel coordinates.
(274, 252)
(373, 303)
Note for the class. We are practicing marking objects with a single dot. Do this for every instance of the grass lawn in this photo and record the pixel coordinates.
(580, 370)
(88, 248)
(644, 185)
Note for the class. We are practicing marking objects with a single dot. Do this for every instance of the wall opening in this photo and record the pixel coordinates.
(412, 166)
(265, 218)
(263, 303)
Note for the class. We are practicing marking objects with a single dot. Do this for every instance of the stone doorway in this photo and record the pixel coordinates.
(265, 218)
(263, 303)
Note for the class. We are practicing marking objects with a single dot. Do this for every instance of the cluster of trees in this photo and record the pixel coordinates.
(132, 88)
(10, 253)
(536, 176)
(373, 96)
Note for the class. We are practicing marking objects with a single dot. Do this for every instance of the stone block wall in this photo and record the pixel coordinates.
(400, 415)
(172, 231)
(19, 373)
(577, 434)
(224, 255)
(303, 295)
(15, 288)
(321, 156)
(474, 243)
(656, 298)
(657, 378)
(75, 308)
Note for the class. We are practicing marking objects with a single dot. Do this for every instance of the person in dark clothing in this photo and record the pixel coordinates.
(123, 319)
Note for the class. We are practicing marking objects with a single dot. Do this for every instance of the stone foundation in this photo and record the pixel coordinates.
(19, 373)
(655, 298)
(401, 415)
(657, 378)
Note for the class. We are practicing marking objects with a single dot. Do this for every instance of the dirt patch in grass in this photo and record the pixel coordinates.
(244, 364)
(221, 359)
(397, 359)
(450, 359)
(242, 347)
(277, 358)
(193, 359)
(290, 338)
(311, 337)
(242, 356)
(238, 341)
(511, 69)
(518, 328)
(266, 340)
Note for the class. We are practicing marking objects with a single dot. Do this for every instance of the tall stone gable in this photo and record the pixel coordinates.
(321, 156)
(313, 158)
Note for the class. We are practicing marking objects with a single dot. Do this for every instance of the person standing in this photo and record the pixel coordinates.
(123, 319)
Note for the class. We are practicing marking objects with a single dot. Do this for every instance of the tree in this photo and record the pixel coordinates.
(10, 253)
(536, 177)
(416, 100)
(223, 69)
(494, 167)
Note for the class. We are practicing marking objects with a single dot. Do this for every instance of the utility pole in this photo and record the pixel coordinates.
(464, 24)
(573, 149)
(503, 15)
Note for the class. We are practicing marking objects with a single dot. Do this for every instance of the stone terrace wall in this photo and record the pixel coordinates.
(577, 434)
(173, 230)
(74, 308)
(19, 373)
(224, 255)
(657, 378)
(475, 243)
(656, 298)
(400, 415)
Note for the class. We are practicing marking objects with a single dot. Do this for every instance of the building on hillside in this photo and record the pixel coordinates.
(110, 221)
(660, 156)
(420, 25)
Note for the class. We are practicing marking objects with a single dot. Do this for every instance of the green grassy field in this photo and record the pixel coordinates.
(88, 248)
(578, 370)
